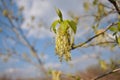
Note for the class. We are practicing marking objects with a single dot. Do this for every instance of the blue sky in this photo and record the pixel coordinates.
(44, 13)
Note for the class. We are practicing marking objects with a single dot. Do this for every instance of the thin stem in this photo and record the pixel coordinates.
(24, 40)
(106, 74)
(90, 39)
(115, 5)
(107, 42)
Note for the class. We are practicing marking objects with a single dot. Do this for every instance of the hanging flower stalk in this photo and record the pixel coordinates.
(56, 75)
(64, 38)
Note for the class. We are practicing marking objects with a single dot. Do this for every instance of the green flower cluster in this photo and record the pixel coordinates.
(63, 45)
(64, 38)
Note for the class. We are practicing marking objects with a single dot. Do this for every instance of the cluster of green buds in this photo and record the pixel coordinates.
(64, 38)
(63, 45)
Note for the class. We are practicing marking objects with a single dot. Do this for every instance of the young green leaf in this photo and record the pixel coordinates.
(5, 12)
(95, 2)
(118, 40)
(101, 9)
(103, 64)
(59, 13)
(73, 26)
(113, 29)
(95, 28)
(0, 30)
(118, 26)
(86, 6)
(63, 26)
(53, 26)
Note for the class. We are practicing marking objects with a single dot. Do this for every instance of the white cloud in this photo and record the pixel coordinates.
(45, 11)
(52, 65)
(40, 10)
(40, 32)
(84, 58)
(28, 71)
(44, 57)
(14, 60)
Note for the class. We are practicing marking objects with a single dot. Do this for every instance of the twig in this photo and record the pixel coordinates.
(115, 5)
(106, 74)
(106, 42)
(24, 40)
(90, 39)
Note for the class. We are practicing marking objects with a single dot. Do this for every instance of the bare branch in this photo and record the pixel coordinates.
(115, 5)
(24, 40)
(107, 42)
(90, 39)
(106, 74)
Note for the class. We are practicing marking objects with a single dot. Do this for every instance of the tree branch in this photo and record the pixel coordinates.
(22, 38)
(115, 5)
(90, 39)
(106, 74)
(106, 42)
